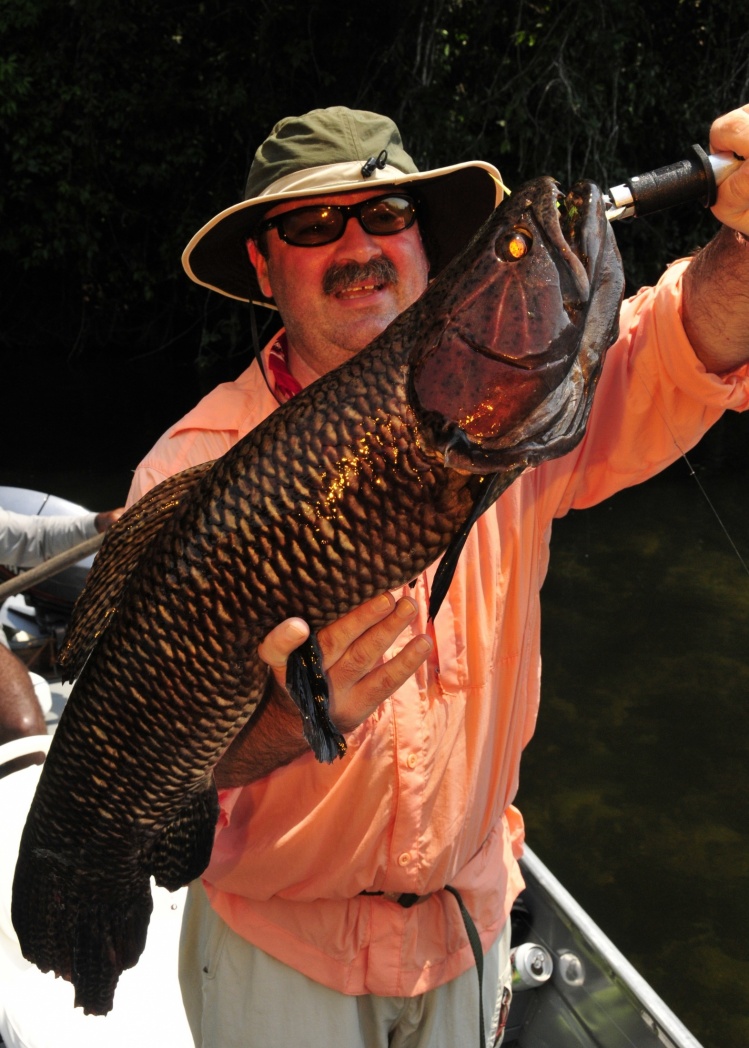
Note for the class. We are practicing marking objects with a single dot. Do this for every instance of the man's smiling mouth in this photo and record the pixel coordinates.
(358, 289)
(350, 279)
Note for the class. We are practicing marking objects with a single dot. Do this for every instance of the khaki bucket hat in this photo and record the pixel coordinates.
(331, 151)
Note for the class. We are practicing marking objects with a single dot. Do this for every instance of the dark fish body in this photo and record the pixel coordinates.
(353, 487)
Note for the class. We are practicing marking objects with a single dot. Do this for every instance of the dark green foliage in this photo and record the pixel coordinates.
(126, 125)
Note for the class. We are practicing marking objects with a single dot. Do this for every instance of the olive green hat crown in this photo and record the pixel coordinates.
(331, 151)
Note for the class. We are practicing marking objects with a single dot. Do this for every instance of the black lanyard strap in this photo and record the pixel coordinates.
(409, 899)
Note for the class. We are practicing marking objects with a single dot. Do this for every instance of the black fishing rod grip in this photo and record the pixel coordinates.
(688, 180)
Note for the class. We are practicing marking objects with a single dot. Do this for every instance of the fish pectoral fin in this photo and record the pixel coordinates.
(306, 683)
(123, 548)
(182, 850)
(489, 492)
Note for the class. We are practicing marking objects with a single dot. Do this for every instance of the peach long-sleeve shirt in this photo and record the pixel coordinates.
(423, 798)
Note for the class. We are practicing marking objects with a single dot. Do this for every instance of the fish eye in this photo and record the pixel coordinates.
(514, 246)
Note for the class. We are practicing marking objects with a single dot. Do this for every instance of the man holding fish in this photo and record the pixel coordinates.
(326, 915)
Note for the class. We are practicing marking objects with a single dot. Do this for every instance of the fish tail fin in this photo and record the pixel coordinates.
(110, 936)
(85, 935)
(306, 683)
(86, 917)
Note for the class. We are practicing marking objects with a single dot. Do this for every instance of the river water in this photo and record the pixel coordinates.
(635, 788)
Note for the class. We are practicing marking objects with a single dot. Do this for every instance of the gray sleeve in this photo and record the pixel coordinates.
(26, 540)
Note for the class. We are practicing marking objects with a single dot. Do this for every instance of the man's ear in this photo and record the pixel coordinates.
(261, 267)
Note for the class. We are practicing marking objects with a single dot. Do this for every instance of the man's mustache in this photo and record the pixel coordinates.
(343, 275)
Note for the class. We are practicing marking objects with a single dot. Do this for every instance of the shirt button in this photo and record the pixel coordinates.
(404, 858)
(411, 760)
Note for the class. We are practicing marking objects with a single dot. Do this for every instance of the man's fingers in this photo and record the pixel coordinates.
(334, 639)
(394, 674)
(730, 134)
(353, 649)
(338, 637)
(284, 638)
(379, 684)
(366, 650)
(361, 680)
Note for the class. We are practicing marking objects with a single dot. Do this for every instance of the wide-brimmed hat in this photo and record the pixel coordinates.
(331, 151)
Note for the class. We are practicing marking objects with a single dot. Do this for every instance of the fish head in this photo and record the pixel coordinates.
(520, 323)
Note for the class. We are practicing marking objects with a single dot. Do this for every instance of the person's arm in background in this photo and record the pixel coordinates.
(27, 540)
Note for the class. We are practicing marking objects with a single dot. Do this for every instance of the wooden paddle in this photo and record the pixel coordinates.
(27, 579)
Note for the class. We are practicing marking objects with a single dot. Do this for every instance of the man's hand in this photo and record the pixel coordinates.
(715, 301)
(359, 680)
(107, 517)
(353, 648)
(730, 134)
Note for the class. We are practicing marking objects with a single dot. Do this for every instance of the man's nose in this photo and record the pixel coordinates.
(356, 243)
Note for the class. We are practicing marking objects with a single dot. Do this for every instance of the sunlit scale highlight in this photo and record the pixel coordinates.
(368, 459)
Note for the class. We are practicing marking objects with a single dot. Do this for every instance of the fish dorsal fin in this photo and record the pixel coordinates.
(124, 546)
(488, 494)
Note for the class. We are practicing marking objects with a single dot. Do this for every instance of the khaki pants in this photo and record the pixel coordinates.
(236, 996)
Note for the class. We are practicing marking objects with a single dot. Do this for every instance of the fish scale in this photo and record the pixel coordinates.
(352, 488)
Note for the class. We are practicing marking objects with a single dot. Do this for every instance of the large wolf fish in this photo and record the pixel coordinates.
(352, 488)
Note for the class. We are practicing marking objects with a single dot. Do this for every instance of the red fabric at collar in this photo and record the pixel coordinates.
(278, 362)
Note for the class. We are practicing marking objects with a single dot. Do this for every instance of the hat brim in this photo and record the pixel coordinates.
(456, 201)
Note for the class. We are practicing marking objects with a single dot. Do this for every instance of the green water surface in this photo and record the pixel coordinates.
(635, 788)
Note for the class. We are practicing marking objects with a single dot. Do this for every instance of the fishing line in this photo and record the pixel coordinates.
(732, 544)
(693, 473)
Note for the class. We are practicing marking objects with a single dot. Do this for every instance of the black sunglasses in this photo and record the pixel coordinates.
(318, 224)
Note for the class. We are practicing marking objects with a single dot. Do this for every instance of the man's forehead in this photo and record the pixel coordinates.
(352, 197)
